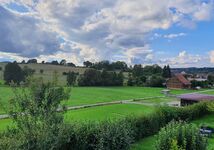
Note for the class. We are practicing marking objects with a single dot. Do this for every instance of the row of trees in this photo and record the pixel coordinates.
(93, 77)
(106, 65)
(153, 76)
(63, 62)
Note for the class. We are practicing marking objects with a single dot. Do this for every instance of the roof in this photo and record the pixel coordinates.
(182, 79)
(197, 97)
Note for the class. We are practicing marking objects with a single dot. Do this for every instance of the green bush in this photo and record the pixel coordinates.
(180, 135)
(103, 136)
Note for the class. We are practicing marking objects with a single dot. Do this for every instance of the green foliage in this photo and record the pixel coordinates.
(28, 71)
(13, 73)
(180, 136)
(92, 77)
(1, 69)
(102, 136)
(210, 79)
(38, 125)
(202, 84)
(155, 81)
(166, 72)
(71, 78)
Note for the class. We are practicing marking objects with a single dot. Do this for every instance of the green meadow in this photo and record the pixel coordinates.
(100, 113)
(92, 95)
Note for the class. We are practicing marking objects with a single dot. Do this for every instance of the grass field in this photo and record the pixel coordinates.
(92, 95)
(149, 143)
(101, 113)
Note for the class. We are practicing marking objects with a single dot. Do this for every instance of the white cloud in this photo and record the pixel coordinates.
(96, 29)
(183, 59)
(212, 56)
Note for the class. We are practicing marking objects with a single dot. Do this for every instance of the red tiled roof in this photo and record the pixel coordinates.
(197, 97)
(182, 79)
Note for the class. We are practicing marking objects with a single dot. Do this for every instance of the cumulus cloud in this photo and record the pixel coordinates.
(94, 29)
(183, 59)
(25, 36)
(212, 56)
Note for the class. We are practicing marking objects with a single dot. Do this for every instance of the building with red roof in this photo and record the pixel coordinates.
(178, 81)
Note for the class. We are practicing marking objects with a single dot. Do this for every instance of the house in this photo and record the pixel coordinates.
(188, 99)
(178, 81)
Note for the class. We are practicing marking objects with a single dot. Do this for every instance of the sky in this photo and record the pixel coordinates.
(175, 32)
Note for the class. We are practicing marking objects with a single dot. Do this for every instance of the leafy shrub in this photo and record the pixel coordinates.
(180, 135)
(106, 136)
(38, 125)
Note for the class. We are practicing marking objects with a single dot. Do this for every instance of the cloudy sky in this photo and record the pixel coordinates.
(175, 32)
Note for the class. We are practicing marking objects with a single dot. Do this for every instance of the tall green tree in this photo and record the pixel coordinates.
(71, 78)
(13, 73)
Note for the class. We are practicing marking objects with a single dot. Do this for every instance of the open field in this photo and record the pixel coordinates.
(149, 143)
(92, 95)
(101, 113)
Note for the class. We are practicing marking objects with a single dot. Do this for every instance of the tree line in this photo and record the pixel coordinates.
(105, 73)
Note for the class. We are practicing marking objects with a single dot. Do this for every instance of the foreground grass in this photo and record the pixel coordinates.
(149, 143)
(101, 113)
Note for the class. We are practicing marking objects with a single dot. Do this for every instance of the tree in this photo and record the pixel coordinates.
(180, 136)
(32, 61)
(87, 64)
(120, 79)
(71, 64)
(166, 72)
(54, 62)
(28, 71)
(71, 78)
(34, 111)
(91, 77)
(63, 62)
(210, 79)
(23, 62)
(41, 71)
(155, 81)
(13, 73)
(0, 68)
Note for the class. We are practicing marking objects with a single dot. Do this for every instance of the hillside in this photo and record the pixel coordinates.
(48, 71)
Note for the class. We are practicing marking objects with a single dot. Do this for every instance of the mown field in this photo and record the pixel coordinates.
(92, 95)
(149, 143)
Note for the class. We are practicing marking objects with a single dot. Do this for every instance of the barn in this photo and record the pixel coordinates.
(188, 99)
(178, 81)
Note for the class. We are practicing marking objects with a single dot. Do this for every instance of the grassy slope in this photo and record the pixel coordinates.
(148, 143)
(98, 113)
(48, 71)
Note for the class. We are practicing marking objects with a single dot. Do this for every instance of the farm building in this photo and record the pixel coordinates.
(188, 99)
(178, 81)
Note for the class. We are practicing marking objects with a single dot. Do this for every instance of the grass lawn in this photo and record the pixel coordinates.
(107, 112)
(149, 143)
(100, 113)
(92, 95)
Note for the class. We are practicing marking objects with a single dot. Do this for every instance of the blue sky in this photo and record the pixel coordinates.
(175, 32)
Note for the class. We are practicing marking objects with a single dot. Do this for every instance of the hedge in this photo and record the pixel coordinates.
(121, 134)
(114, 135)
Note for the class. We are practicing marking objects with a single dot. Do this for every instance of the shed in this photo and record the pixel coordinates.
(178, 81)
(188, 99)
